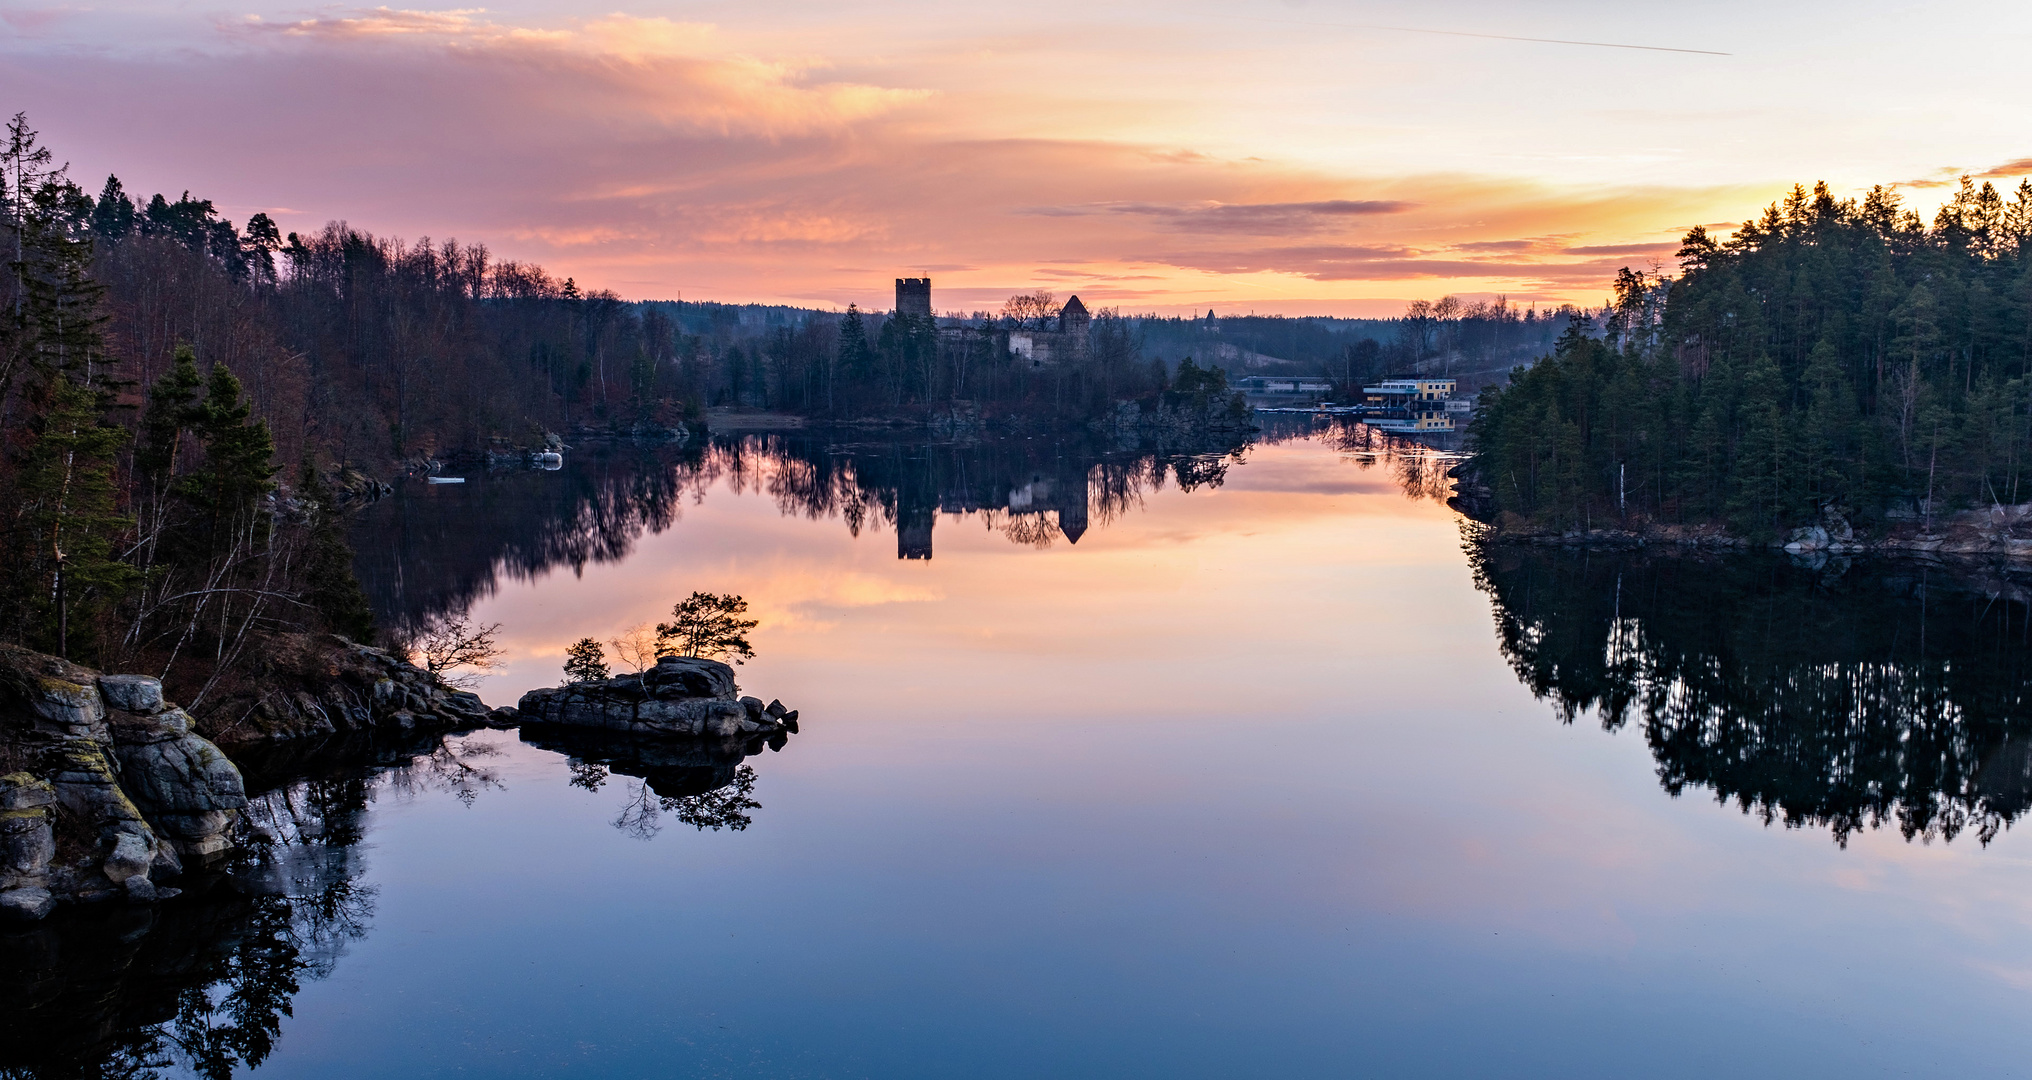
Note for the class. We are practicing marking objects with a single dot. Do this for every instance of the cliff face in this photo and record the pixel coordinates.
(107, 788)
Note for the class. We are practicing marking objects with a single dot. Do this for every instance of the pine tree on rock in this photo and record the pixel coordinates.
(585, 661)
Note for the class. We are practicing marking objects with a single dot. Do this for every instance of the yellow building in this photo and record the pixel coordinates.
(1402, 392)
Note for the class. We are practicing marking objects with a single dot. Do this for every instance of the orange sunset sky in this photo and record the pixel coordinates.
(1295, 156)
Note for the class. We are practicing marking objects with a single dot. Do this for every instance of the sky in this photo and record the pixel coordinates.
(1284, 156)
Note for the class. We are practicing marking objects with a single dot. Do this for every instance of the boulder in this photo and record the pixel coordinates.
(70, 708)
(1810, 538)
(184, 784)
(139, 889)
(690, 676)
(133, 856)
(131, 693)
(27, 904)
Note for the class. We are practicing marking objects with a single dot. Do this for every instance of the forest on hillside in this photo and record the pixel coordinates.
(1833, 356)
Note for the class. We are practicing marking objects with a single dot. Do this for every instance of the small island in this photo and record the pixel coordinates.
(682, 696)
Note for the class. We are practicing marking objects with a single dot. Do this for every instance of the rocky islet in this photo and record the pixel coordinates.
(682, 696)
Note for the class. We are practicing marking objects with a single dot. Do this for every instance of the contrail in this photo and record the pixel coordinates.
(1491, 37)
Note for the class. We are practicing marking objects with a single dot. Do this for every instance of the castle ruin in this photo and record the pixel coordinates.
(1066, 342)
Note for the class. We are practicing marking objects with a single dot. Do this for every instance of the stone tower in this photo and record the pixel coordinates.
(913, 296)
(1072, 327)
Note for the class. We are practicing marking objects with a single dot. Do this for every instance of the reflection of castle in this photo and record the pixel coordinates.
(431, 550)
(1060, 488)
(1062, 339)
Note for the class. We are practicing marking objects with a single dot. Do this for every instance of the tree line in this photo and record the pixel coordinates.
(1832, 357)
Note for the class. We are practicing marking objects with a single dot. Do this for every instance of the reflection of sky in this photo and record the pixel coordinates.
(1237, 786)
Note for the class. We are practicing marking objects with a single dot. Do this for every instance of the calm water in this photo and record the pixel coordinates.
(1265, 776)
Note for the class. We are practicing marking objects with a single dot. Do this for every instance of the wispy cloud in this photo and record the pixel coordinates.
(1656, 247)
(1260, 219)
(743, 164)
(2009, 169)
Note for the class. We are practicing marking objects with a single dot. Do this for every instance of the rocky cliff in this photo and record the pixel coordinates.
(106, 788)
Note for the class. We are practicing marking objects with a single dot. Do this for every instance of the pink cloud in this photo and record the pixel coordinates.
(649, 155)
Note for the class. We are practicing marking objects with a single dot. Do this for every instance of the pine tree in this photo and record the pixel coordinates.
(65, 569)
(709, 625)
(856, 358)
(329, 584)
(585, 661)
(113, 213)
(62, 322)
(173, 405)
(238, 468)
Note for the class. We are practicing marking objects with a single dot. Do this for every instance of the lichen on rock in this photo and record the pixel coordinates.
(102, 800)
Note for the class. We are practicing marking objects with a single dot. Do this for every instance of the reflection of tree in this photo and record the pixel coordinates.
(1845, 697)
(200, 986)
(1026, 530)
(721, 808)
(1418, 465)
(702, 782)
(430, 552)
(455, 766)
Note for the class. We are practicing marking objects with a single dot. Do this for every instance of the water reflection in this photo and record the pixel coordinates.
(698, 782)
(201, 985)
(1417, 465)
(1839, 696)
(430, 551)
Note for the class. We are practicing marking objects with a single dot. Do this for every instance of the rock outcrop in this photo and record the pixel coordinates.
(680, 696)
(319, 685)
(108, 788)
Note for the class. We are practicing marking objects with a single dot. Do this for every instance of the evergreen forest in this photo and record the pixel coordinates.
(1834, 356)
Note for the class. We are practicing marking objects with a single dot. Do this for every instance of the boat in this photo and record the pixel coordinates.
(447, 479)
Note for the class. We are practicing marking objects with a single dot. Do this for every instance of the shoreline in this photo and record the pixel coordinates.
(1957, 543)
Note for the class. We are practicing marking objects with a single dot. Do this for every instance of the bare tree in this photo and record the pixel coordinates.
(636, 647)
(455, 643)
(1028, 308)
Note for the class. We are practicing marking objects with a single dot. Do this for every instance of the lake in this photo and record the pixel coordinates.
(1120, 763)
